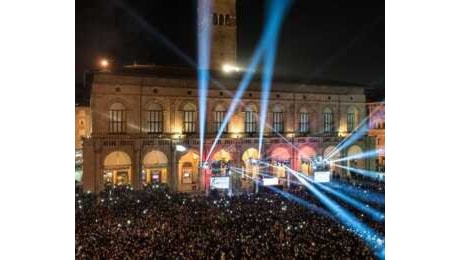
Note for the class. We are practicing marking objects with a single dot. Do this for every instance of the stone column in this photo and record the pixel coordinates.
(236, 162)
(98, 174)
(137, 166)
(98, 167)
(173, 172)
(174, 169)
(201, 173)
(89, 173)
(292, 166)
(207, 181)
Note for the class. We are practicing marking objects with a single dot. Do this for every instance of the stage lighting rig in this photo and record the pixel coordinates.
(321, 169)
(321, 164)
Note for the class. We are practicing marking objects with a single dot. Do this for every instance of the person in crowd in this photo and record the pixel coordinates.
(154, 223)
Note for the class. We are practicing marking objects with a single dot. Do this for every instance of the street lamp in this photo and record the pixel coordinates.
(228, 68)
(104, 63)
(181, 148)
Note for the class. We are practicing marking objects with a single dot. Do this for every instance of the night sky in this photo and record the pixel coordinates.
(330, 40)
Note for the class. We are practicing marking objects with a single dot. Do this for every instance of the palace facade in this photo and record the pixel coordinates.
(140, 115)
(376, 121)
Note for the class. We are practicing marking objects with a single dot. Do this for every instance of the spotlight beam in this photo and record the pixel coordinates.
(367, 196)
(204, 40)
(357, 133)
(371, 174)
(372, 238)
(270, 31)
(165, 41)
(367, 154)
(363, 122)
(204, 74)
(350, 139)
(267, 75)
(292, 197)
(371, 212)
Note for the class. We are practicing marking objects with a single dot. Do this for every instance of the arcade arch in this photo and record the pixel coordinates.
(306, 155)
(354, 163)
(220, 162)
(117, 168)
(279, 157)
(250, 168)
(155, 168)
(188, 172)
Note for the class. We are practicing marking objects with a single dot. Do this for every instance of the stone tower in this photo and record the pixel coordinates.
(223, 37)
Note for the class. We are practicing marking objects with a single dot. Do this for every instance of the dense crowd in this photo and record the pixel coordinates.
(122, 223)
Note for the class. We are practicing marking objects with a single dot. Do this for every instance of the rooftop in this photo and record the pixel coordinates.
(147, 74)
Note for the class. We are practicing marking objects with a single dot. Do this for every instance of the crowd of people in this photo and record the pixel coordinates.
(153, 223)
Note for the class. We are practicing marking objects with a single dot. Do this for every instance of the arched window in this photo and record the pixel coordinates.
(154, 118)
(117, 118)
(249, 119)
(221, 19)
(327, 119)
(189, 118)
(278, 119)
(227, 20)
(215, 19)
(219, 114)
(352, 115)
(304, 121)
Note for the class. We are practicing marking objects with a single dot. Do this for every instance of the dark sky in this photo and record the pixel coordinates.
(329, 39)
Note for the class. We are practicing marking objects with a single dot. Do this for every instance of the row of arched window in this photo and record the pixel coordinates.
(221, 20)
(154, 119)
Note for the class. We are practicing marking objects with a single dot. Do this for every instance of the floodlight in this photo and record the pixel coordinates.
(227, 68)
(180, 148)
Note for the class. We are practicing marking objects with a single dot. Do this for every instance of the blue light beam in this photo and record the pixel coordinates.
(372, 238)
(267, 75)
(367, 154)
(204, 36)
(292, 197)
(277, 13)
(371, 174)
(353, 137)
(357, 133)
(371, 212)
(364, 195)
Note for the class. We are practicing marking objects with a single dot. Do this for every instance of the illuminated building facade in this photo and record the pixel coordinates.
(140, 116)
(82, 130)
(376, 112)
(82, 125)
